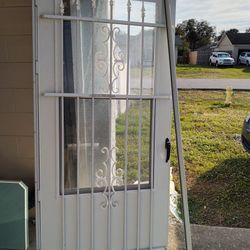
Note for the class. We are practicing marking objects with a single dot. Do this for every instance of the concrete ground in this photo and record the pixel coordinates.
(209, 238)
(240, 84)
(32, 236)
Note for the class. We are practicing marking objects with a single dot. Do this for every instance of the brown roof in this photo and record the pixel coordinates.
(239, 38)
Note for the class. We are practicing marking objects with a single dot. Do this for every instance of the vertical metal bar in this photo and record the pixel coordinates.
(126, 134)
(57, 87)
(92, 173)
(110, 124)
(152, 175)
(183, 184)
(36, 95)
(151, 234)
(62, 125)
(139, 134)
(78, 171)
(93, 132)
(77, 81)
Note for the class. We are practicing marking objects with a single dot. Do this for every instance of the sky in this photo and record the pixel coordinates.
(223, 14)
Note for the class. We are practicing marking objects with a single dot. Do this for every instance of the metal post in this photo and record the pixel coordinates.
(170, 40)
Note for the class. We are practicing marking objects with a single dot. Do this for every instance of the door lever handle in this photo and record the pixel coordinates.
(168, 149)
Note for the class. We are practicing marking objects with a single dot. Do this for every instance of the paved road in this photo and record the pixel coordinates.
(241, 84)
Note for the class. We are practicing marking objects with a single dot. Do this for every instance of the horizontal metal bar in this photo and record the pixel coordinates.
(98, 20)
(87, 190)
(123, 97)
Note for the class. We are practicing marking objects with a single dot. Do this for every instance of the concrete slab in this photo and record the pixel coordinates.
(209, 238)
(239, 84)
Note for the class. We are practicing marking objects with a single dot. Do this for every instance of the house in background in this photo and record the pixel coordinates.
(234, 44)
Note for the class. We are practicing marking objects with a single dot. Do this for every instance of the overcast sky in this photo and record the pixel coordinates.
(223, 14)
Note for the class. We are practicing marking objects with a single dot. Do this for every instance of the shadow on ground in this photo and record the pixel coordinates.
(227, 199)
(246, 70)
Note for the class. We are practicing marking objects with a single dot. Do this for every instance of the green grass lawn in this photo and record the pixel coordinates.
(200, 72)
(133, 140)
(217, 167)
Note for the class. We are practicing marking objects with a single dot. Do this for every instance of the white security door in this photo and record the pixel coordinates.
(104, 106)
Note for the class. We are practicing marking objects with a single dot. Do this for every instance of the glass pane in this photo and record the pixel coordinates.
(148, 62)
(119, 57)
(88, 61)
(150, 11)
(120, 10)
(98, 63)
(132, 150)
(87, 8)
(135, 60)
(101, 9)
(70, 140)
(101, 58)
(102, 128)
(85, 147)
(78, 57)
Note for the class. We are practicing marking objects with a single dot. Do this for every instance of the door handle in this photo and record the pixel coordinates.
(168, 149)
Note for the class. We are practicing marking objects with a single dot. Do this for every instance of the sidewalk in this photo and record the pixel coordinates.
(209, 238)
(239, 84)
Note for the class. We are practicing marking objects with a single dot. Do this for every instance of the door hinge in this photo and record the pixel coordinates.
(36, 67)
(38, 195)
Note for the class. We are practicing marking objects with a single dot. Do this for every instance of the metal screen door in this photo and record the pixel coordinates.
(104, 106)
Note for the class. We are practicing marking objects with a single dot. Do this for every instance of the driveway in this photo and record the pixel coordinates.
(239, 84)
(208, 238)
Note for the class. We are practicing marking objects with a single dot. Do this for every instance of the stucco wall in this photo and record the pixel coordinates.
(225, 45)
(16, 116)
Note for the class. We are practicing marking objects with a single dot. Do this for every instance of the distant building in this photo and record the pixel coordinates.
(234, 43)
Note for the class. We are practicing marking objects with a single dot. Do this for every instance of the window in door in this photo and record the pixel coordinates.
(109, 94)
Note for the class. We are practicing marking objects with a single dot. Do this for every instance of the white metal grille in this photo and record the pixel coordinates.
(111, 63)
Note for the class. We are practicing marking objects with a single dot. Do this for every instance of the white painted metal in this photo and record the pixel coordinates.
(183, 184)
(130, 97)
(125, 228)
(92, 245)
(98, 20)
(129, 219)
(36, 122)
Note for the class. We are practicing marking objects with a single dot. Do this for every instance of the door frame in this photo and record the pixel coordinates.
(36, 104)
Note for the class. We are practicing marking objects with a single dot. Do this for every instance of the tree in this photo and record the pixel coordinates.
(248, 30)
(230, 31)
(196, 33)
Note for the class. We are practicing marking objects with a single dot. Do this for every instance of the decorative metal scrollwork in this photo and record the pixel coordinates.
(109, 177)
(129, 6)
(117, 60)
(61, 7)
(143, 11)
(78, 4)
(101, 57)
(93, 4)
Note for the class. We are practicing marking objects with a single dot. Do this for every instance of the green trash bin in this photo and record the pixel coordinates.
(13, 215)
